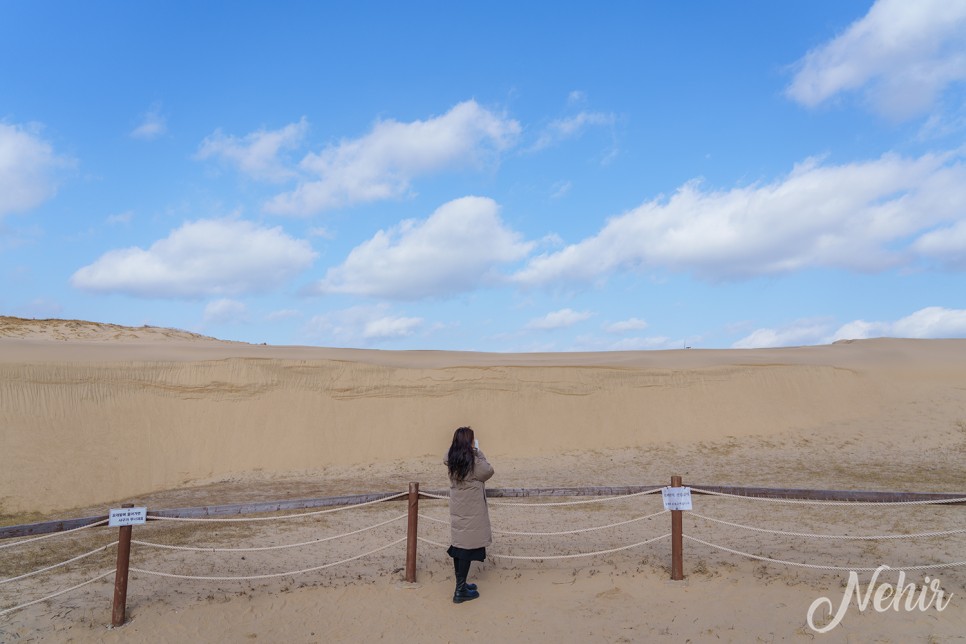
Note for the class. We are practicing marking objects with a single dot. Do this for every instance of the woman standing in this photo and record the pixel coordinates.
(469, 517)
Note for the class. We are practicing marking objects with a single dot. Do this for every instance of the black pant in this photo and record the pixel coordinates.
(462, 568)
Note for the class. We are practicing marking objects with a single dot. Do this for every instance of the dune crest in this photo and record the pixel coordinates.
(55, 329)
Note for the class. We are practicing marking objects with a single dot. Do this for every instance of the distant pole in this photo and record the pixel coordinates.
(120, 574)
(411, 532)
(677, 539)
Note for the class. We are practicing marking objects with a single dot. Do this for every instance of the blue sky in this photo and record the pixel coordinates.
(488, 176)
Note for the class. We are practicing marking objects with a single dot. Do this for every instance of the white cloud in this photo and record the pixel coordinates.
(571, 127)
(801, 333)
(558, 319)
(946, 245)
(153, 125)
(256, 154)
(361, 326)
(860, 329)
(902, 55)
(930, 322)
(390, 327)
(945, 122)
(858, 216)
(283, 314)
(456, 249)
(383, 163)
(201, 258)
(28, 168)
(225, 311)
(625, 326)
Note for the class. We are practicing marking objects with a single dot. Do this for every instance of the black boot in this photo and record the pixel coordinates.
(463, 592)
(456, 569)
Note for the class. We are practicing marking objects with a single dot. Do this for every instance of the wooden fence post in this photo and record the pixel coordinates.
(677, 539)
(120, 574)
(411, 532)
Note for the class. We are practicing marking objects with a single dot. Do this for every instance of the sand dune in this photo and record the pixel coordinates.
(94, 414)
(163, 409)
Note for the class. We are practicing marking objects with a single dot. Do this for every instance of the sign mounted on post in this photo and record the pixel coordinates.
(676, 498)
(120, 517)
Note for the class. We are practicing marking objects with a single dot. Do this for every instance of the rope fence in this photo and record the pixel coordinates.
(58, 565)
(606, 538)
(266, 548)
(947, 499)
(553, 557)
(559, 532)
(291, 573)
(821, 567)
(812, 535)
(52, 534)
(13, 609)
(301, 515)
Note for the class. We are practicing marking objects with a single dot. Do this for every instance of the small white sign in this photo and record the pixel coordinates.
(127, 516)
(676, 498)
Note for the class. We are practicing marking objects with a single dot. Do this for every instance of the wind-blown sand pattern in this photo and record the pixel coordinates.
(92, 415)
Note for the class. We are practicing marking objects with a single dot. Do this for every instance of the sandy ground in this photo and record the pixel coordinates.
(95, 415)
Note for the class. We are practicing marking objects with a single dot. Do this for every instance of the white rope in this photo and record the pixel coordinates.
(259, 549)
(584, 554)
(286, 516)
(870, 537)
(541, 558)
(813, 502)
(433, 519)
(57, 594)
(270, 576)
(562, 532)
(818, 567)
(600, 500)
(52, 534)
(581, 530)
(532, 505)
(58, 565)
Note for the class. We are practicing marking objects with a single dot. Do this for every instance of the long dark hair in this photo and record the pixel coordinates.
(460, 458)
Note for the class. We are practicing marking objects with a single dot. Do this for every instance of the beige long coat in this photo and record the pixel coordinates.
(469, 517)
